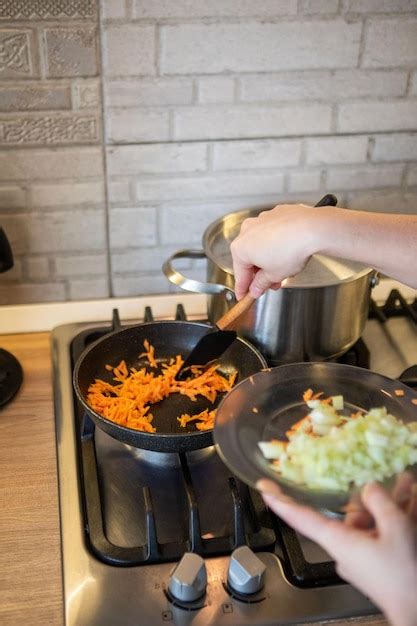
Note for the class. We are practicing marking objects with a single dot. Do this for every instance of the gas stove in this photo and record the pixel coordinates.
(128, 515)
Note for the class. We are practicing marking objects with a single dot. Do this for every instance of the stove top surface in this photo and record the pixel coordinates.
(127, 515)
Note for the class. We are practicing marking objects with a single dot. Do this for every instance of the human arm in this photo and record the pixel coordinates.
(278, 243)
(380, 559)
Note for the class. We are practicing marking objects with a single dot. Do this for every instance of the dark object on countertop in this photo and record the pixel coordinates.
(11, 376)
(11, 373)
(6, 256)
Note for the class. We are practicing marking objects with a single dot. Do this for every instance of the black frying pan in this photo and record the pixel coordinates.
(169, 338)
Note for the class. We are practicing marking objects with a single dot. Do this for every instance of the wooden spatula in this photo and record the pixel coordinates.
(212, 345)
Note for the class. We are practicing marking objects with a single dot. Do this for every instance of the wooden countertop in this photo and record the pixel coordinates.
(30, 556)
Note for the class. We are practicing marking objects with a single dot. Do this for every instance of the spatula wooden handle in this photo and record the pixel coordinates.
(236, 311)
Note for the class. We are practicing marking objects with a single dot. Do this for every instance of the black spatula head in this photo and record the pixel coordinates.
(210, 347)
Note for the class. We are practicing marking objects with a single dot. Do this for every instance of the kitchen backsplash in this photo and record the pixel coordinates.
(128, 126)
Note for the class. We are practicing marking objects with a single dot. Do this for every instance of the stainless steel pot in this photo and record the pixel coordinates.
(316, 315)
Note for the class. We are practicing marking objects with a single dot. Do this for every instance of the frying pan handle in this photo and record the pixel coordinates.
(189, 284)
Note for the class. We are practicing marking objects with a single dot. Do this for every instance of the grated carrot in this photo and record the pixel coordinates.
(149, 353)
(297, 425)
(127, 401)
(205, 419)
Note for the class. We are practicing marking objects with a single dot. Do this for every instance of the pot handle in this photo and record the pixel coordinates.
(189, 284)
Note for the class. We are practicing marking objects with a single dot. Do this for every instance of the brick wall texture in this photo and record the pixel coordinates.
(128, 126)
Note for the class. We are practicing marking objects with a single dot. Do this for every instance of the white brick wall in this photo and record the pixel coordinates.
(88, 289)
(12, 197)
(336, 150)
(310, 7)
(129, 50)
(377, 116)
(413, 84)
(137, 92)
(364, 177)
(221, 121)
(216, 89)
(214, 8)
(398, 147)
(80, 265)
(49, 164)
(388, 202)
(30, 292)
(132, 227)
(411, 178)
(308, 180)
(201, 187)
(37, 267)
(258, 46)
(126, 285)
(118, 190)
(381, 6)
(156, 159)
(137, 125)
(402, 48)
(236, 155)
(147, 259)
(67, 194)
(335, 86)
(56, 232)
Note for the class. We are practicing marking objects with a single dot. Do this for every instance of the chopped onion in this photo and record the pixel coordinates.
(331, 451)
(337, 402)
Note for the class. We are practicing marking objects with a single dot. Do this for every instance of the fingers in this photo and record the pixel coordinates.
(356, 514)
(404, 494)
(328, 533)
(382, 507)
(359, 519)
(243, 273)
(261, 283)
(411, 508)
(402, 489)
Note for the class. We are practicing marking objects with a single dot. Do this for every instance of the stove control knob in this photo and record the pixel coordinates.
(188, 580)
(246, 572)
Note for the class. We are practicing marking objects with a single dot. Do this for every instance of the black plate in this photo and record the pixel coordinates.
(277, 396)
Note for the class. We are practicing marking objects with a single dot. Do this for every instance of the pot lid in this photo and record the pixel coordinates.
(320, 271)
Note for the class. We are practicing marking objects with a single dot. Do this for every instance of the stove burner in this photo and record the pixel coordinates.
(247, 524)
(11, 377)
